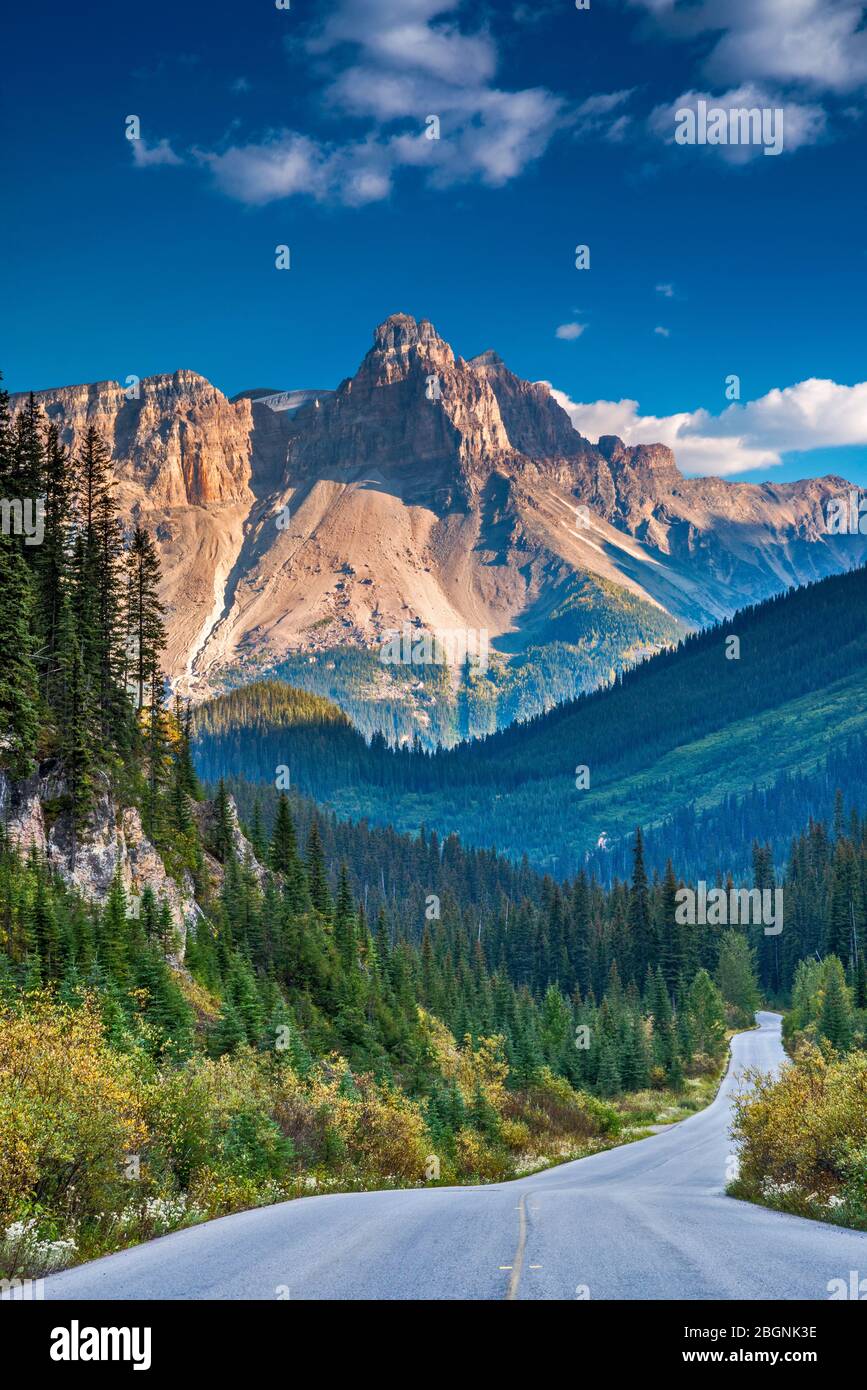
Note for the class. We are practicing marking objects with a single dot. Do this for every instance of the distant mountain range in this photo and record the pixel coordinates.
(711, 750)
(298, 528)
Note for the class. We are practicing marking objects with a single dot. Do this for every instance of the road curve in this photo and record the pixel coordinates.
(648, 1220)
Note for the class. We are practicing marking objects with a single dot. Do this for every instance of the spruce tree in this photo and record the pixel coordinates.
(77, 720)
(52, 567)
(643, 940)
(670, 931)
(98, 588)
(835, 1020)
(223, 838)
(316, 874)
(283, 852)
(19, 686)
(145, 628)
(344, 921)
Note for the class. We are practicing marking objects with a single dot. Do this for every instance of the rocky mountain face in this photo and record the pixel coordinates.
(429, 490)
(113, 842)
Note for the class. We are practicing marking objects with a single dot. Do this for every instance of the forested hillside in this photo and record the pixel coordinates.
(343, 1006)
(292, 1033)
(688, 730)
(540, 930)
(81, 629)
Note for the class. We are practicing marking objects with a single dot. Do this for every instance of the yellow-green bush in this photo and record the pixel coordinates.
(209, 1137)
(803, 1136)
(476, 1160)
(70, 1112)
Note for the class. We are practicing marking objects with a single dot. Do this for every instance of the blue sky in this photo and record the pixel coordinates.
(306, 127)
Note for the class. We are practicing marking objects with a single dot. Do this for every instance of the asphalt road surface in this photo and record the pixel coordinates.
(648, 1220)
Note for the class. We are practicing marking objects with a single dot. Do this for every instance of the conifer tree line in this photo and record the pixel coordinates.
(540, 930)
(643, 739)
(81, 624)
(334, 946)
(297, 963)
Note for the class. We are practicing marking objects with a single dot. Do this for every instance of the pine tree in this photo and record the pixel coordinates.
(283, 853)
(158, 759)
(608, 1082)
(19, 691)
(663, 1025)
(840, 937)
(256, 834)
(316, 875)
(6, 442)
(229, 1032)
(707, 1013)
(98, 588)
(860, 990)
(112, 932)
(634, 1063)
(344, 921)
(52, 567)
(77, 720)
(835, 1020)
(670, 931)
(643, 942)
(25, 481)
(223, 839)
(736, 975)
(145, 628)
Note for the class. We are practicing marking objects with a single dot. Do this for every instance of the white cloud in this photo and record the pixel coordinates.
(284, 165)
(666, 290)
(604, 102)
(817, 44)
(147, 156)
(662, 332)
(570, 331)
(593, 116)
(802, 124)
(402, 61)
(813, 414)
(617, 131)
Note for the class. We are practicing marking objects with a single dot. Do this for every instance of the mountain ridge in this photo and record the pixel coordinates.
(430, 489)
(688, 727)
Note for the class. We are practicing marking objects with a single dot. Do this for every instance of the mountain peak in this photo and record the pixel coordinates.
(488, 358)
(400, 332)
(655, 460)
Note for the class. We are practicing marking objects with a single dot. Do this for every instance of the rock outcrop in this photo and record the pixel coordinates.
(113, 840)
(425, 488)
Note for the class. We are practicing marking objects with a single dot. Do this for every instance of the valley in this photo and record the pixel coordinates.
(686, 729)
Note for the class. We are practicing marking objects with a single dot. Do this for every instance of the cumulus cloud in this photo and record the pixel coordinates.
(812, 414)
(662, 332)
(147, 156)
(801, 55)
(284, 164)
(803, 124)
(667, 291)
(819, 44)
(393, 65)
(570, 331)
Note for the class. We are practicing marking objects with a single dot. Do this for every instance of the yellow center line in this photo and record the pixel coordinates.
(512, 1291)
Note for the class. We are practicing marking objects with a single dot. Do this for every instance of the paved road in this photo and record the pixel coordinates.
(649, 1220)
